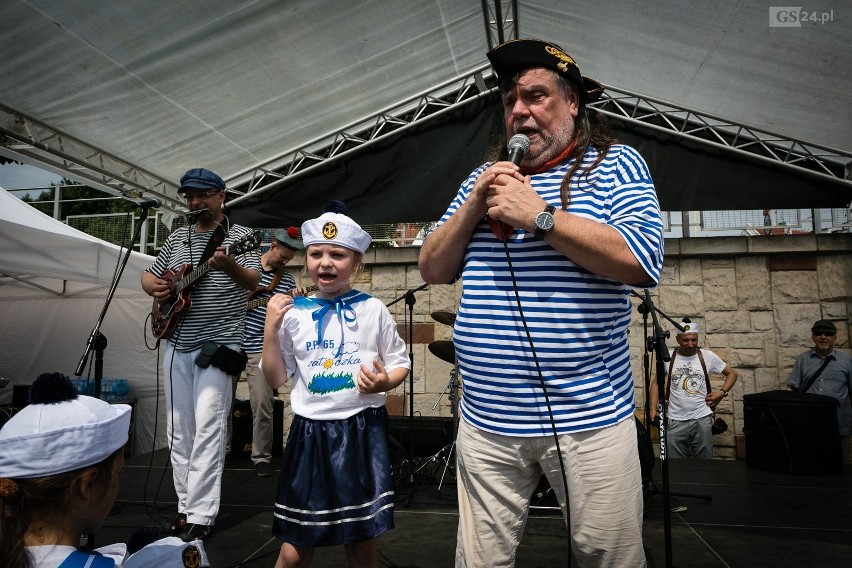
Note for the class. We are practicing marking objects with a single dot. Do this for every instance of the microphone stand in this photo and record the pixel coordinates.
(410, 300)
(657, 342)
(97, 340)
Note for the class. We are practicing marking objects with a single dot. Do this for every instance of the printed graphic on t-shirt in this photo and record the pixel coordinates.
(329, 381)
(688, 380)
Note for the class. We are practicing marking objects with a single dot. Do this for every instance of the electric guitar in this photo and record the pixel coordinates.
(165, 314)
(255, 302)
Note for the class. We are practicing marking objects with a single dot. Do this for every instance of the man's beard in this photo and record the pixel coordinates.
(551, 144)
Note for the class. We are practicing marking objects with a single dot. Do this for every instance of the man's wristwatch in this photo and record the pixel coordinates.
(544, 221)
(724, 393)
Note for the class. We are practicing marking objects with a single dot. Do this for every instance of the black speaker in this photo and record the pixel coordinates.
(792, 432)
(241, 424)
(431, 433)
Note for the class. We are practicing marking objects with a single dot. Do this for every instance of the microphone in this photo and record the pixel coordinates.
(518, 146)
(149, 203)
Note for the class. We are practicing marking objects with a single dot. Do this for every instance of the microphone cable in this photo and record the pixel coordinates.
(504, 239)
(517, 147)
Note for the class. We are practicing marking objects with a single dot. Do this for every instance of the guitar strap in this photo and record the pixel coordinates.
(269, 287)
(216, 240)
(275, 280)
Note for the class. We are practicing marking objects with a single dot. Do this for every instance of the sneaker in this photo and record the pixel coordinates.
(264, 469)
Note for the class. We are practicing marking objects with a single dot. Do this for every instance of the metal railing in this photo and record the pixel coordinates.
(114, 227)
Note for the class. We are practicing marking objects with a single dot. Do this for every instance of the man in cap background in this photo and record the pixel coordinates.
(690, 398)
(825, 370)
(273, 280)
(198, 398)
(541, 341)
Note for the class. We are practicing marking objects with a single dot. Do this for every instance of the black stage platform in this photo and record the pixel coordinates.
(755, 518)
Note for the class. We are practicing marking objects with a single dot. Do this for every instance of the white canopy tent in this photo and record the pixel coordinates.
(54, 281)
(128, 95)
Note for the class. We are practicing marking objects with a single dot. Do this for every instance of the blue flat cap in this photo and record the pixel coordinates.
(200, 178)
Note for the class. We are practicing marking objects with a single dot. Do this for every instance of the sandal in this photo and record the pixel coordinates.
(197, 532)
(176, 526)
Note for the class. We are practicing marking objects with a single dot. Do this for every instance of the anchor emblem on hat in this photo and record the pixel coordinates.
(329, 231)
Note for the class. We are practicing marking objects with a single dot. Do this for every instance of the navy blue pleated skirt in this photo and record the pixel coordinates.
(335, 485)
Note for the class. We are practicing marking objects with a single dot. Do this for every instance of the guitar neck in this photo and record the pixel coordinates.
(192, 277)
(239, 247)
(251, 304)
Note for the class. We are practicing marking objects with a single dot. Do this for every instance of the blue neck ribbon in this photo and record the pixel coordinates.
(342, 306)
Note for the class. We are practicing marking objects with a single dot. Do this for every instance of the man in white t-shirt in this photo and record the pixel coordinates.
(690, 398)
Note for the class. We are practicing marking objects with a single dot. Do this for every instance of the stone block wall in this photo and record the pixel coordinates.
(756, 297)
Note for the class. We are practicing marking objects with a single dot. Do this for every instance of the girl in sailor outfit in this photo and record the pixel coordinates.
(342, 351)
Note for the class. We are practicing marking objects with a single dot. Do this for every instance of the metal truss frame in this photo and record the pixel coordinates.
(501, 21)
(27, 140)
(617, 104)
(357, 136)
(740, 139)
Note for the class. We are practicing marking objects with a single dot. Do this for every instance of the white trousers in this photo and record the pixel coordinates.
(198, 402)
(498, 474)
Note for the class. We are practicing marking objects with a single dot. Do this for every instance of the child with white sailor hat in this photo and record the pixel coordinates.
(60, 459)
(334, 227)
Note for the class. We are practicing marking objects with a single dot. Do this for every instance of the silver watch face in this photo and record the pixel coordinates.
(544, 221)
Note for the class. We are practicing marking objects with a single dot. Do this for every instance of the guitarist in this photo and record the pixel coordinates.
(202, 353)
(273, 280)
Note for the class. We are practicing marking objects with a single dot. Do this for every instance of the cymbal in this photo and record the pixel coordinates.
(444, 317)
(443, 350)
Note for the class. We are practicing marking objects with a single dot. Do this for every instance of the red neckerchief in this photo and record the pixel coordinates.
(502, 230)
(551, 163)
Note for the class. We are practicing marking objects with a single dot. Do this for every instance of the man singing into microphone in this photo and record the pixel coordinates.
(541, 331)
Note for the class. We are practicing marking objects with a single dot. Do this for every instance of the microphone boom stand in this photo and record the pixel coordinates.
(410, 300)
(97, 340)
(657, 342)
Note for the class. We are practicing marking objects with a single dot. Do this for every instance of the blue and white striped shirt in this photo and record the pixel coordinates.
(256, 317)
(577, 320)
(218, 303)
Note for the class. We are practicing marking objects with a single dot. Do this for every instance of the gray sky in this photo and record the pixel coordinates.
(16, 176)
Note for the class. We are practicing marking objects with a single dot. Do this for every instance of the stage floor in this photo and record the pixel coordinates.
(752, 518)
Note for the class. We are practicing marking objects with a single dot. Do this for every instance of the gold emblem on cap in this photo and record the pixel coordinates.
(329, 231)
(191, 557)
(559, 54)
(686, 327)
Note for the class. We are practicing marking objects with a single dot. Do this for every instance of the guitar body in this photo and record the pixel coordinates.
(165, 314)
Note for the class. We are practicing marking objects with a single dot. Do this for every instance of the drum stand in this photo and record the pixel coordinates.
(424, 470)
(448, 453)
